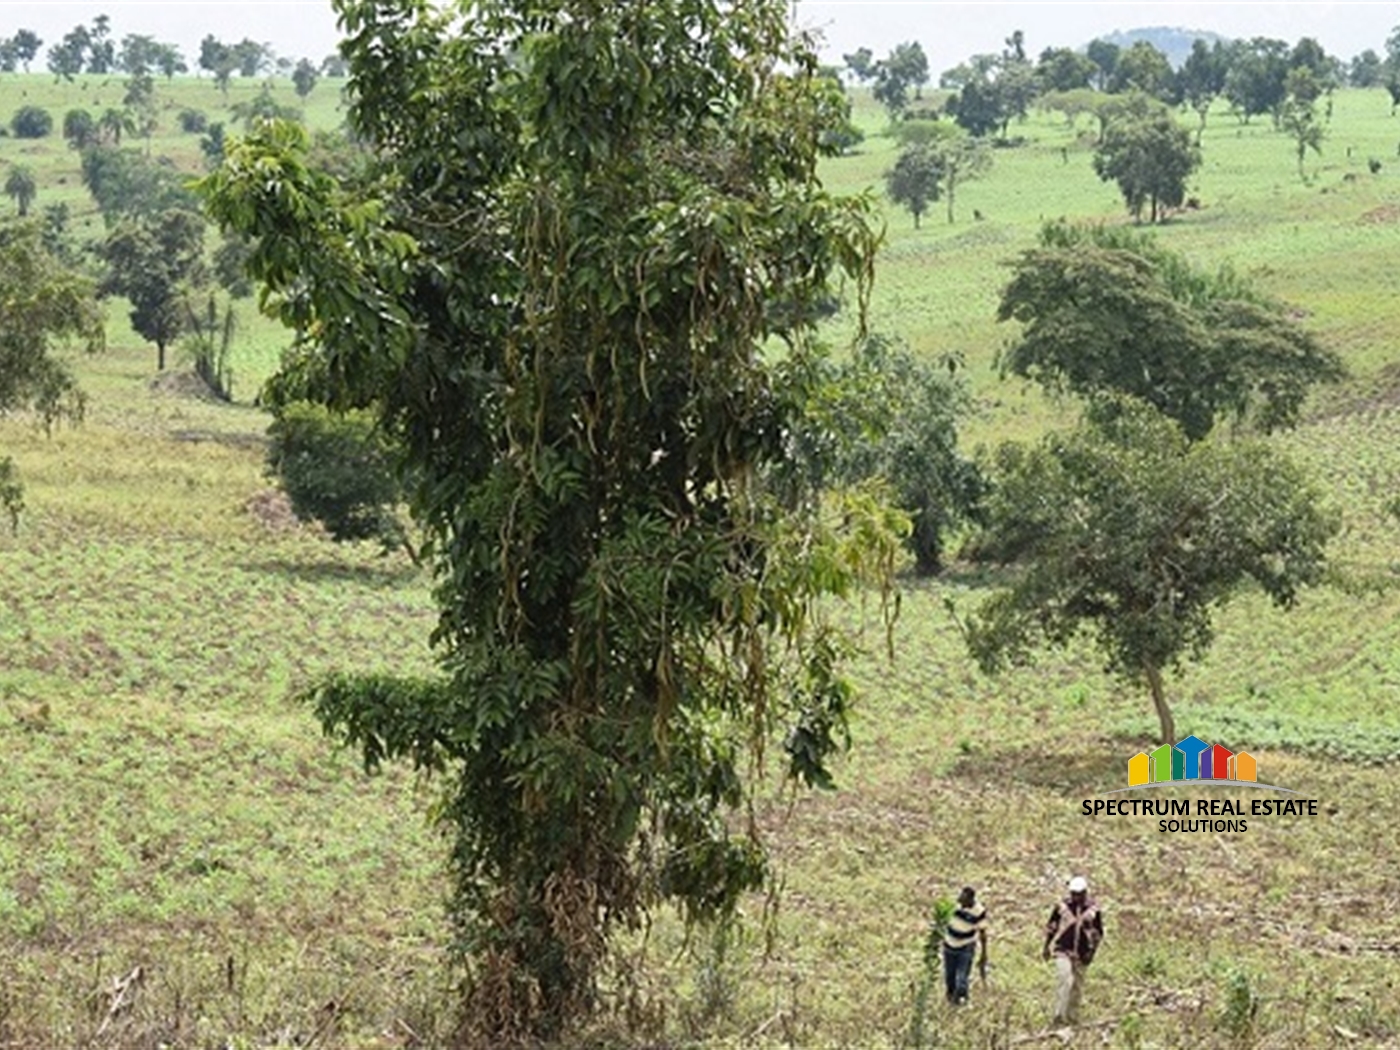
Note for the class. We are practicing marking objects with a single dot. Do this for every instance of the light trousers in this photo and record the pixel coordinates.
(1069, 988)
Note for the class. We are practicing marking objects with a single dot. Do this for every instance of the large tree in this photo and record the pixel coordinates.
(1110, 312)
(41, 304)
(566, 311)
(1128, 532)
(1150, 158)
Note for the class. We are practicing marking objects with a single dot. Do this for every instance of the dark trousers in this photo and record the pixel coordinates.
(957, 971)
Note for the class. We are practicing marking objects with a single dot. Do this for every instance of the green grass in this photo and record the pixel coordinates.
(167, 806)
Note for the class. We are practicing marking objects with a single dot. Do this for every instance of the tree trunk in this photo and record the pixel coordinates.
(160, 356)
(1159, 701)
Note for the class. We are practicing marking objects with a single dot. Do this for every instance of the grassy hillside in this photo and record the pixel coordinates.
(186, 862)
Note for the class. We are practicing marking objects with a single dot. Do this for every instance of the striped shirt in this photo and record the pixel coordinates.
(963, 926)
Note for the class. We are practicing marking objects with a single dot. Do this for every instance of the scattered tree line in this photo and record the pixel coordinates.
(91, 48)
(988, 91)
(1133, 93)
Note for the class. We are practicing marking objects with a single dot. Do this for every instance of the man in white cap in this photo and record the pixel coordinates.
(1072, 935)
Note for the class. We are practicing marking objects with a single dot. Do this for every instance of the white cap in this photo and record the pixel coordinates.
(1078, 884)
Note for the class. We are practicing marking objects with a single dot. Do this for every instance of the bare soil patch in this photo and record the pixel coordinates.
(1386, 213)
(273, 510)
(184, 384)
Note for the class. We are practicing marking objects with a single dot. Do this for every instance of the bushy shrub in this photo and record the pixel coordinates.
(31, 122)
(79, 128)
(193, 122)
(336, 469)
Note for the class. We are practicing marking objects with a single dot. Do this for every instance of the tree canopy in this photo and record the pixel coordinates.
(891, 417)
(1112, 312)
(155, 260)
(561, 305)
(914, 179)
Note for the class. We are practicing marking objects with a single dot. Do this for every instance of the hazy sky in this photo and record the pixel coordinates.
(948, 31)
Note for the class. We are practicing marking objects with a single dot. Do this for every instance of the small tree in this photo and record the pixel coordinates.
(1150, 159)
(1062, 69)
(66, 59)
(193, 121)
(79, 128)
(169, 61)
(1390, 68)
(1255, 82)
(1202, 79)
(1104, 54)
(304, 77)
(978, 107)
(1298, 118)
(140, 103)
(861, 63)
(21, 188)
(41, 303)
(961, 159)
(154, 261)
(208, 334)
(1132, 534)
(914, 180)
(31, 122)
(114, 123)
(26, 44)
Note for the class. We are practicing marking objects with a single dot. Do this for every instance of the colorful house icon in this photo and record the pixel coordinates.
(1245, 767)
(1139, 770)
(1191, 750)
(1191, 759)
(1167, 763)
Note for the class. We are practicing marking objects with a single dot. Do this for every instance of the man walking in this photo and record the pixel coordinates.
(966, 928)
(1073, 935)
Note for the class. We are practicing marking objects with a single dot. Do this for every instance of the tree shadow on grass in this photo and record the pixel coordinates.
(390, 576)
(1079, 766)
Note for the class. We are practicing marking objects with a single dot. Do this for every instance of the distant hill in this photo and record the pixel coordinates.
(1173, 42)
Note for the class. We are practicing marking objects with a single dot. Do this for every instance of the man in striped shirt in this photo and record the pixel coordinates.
(966, 927)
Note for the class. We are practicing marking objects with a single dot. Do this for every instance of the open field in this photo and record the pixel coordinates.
(186, 862)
